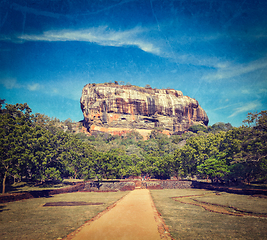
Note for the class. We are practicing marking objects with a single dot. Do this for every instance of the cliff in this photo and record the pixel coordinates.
(118, 109)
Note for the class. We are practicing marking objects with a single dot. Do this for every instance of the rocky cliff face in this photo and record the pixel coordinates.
(118, 109)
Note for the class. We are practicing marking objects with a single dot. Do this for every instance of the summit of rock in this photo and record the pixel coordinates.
(118, 109)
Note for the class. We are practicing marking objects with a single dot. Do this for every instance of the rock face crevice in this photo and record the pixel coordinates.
(117, 109)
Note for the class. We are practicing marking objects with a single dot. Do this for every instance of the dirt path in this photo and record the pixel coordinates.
(133, 217)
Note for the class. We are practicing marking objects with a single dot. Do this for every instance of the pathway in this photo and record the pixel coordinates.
(133, 218)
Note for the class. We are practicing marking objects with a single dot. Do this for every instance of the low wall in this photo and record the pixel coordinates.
(109, 186)
(10, 197)
(236, 190)
(166, 184)
(128, 185)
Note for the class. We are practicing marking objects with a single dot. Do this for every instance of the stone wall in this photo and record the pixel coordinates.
(109, 186)
(229, 189)
(10, 197)
(166, 184)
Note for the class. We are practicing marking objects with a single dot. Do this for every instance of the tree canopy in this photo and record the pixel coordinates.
(36, 148)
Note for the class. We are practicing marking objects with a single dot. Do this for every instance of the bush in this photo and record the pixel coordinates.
(197, 128)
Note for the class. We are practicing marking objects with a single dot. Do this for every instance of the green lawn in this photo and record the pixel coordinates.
(187, 221)
(28, 219)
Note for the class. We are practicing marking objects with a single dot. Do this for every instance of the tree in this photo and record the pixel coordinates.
(164, 167)
(253, 152)
(245, 149)
(15, 122)
(75, 156)
(196, 151)
(214, 168)
(2, 101)
(196, 128)
(220, 126)
(44, 161)
(131, 164)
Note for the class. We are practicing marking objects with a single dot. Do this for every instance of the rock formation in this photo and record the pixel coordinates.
(119, 109)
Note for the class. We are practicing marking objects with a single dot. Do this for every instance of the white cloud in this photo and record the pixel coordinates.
(54, 90)
(227, 106)
(263, 90)
(147, 40)
(222, 65)
(190, 59)
(33, 87)
(140, 37)
(245, 91)
(237, 70)
(101, 35)
(67, 87)
(10, 83)
(252, 106)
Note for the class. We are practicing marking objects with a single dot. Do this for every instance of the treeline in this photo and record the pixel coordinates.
(37, 148)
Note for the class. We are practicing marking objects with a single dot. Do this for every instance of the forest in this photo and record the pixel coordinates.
(35, 148)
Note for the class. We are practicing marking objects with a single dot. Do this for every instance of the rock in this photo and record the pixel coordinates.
(119, 109)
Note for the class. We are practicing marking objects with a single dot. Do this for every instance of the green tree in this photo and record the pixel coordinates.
(75, 156)
(178, 168)
(15, 121)
(196, 151)
(164, 167)
(220, 126)
(196, 128)
(253, 152)
(213, 168)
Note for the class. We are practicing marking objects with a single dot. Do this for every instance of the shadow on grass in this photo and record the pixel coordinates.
(40, 193)
(37, 192)
(15, 187)
(2, 208)
(29, 186)
(57, 204)
(237, 189)
(217, 208)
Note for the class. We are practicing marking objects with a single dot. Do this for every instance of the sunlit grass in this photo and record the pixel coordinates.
(187, 221)
(28, 219)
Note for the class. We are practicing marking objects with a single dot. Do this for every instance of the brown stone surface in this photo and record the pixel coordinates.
(119, 109)
(109, 186)
(134, 217)
(166, 184)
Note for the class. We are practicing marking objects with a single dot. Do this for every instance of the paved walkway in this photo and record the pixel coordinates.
(133, 218)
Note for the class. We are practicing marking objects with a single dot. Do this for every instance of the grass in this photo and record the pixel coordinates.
(28, 219)
(244, 202)
(187, 221)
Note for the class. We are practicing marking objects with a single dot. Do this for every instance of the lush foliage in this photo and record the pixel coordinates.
(37, 148)
(237, 154)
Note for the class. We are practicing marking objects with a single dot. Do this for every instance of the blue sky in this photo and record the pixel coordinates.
(213, 51)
